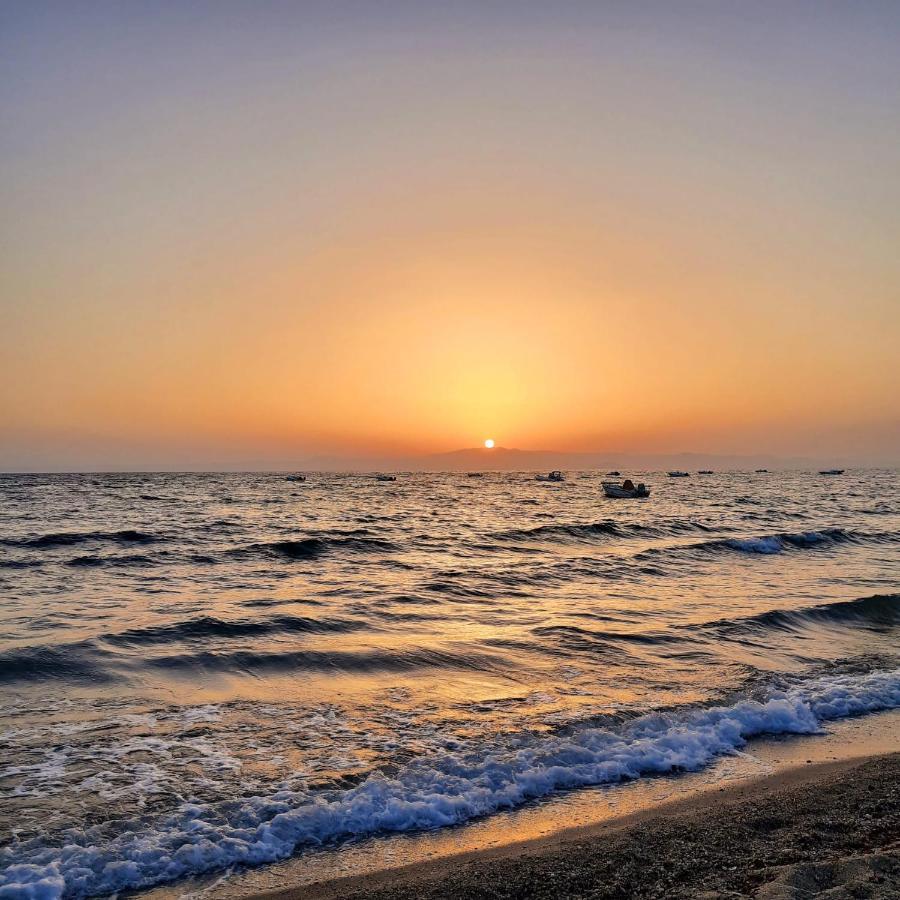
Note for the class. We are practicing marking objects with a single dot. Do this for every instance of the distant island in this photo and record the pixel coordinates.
(510, 459)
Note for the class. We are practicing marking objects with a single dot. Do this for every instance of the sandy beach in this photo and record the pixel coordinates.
(828, 829)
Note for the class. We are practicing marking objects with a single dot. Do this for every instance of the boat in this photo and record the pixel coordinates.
(555, 475)
(380, 477)
(831, 471)
(622, 492)
(614, 473)
(761, 471)
(706, 472)
(679, 474)
(295, 478)
(475, 474)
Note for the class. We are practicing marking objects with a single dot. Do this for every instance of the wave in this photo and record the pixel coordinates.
(880, 612)
(72, 538)
(129, 559)
(205, 627)
(607, 528)
(86, 659)
(808, 539)
(69, 662)
(573, 637)
(776, 543)
(334, 661)
(877, 611)
(312, 547)
(429, 792)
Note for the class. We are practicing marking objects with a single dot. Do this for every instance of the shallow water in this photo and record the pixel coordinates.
(203, 670)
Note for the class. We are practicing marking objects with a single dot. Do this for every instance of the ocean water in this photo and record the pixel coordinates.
(206, 671)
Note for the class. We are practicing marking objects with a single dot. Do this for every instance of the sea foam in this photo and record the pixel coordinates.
(431, 792)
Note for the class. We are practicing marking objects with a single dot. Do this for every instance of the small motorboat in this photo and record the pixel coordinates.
(626, 491)
(475, 474)
(614, 473)
(555, 475)
(761, 471)
(831, 471)
(381, 477)
(679, 474)
(706, 472)
(295, 478)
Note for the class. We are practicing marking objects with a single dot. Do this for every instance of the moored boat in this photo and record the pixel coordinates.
(831, 471)
(381, 477)
(555, 475)
(626, 491)
(679, 474)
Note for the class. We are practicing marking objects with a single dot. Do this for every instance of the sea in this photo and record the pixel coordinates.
(207, 672)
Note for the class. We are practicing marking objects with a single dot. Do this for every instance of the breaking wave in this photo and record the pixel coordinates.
(430, 792)
(775, 543)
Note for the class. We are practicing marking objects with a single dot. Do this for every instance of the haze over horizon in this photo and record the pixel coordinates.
(253, 235)
(499, 459)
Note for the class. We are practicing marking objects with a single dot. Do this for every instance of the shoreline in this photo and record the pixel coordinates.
(767, 763)
(827, 825)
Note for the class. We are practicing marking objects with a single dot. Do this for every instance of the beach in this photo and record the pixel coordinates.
(768, 815)
(830, 829)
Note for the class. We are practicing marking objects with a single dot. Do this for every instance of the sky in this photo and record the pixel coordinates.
(238, 234)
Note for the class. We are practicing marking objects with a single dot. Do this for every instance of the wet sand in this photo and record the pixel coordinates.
(827, 829)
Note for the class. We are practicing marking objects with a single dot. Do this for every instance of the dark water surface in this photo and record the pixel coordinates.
(199, 671)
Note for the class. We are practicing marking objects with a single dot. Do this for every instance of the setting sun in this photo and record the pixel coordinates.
(489, 443)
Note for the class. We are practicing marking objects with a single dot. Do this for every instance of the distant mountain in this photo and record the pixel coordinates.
(508, 459)
(474, 459)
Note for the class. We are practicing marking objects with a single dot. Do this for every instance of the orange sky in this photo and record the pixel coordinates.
(307, 235)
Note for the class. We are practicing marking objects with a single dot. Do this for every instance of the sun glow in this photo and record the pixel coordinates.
(489, 443)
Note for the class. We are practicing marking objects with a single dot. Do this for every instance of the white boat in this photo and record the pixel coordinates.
(620, 492)
(831, 471)
(679, 474)
(555, 475)
(380, 477)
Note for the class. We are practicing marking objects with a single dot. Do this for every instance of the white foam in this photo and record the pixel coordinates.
(195, 714)
(756, 545)
(431, 792)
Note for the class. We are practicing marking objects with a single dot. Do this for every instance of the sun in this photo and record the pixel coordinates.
(489, 443)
